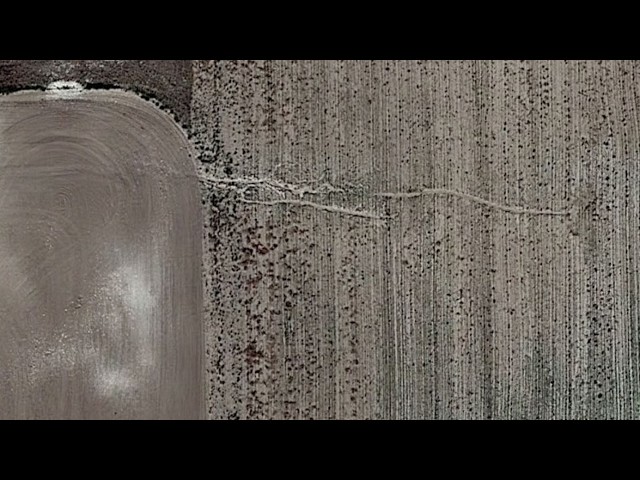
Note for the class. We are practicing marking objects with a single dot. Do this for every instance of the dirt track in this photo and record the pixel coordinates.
(100, 251)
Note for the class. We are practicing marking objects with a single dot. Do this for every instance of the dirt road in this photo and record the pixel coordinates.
(100, 252)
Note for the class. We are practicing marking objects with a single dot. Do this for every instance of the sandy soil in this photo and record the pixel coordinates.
(100, 260)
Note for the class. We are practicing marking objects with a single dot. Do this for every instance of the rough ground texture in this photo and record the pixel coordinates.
(505, 283)
(168, 81)
(100, 251)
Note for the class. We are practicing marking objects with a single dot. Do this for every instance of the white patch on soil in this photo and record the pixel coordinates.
(64, 88)
(114, 381)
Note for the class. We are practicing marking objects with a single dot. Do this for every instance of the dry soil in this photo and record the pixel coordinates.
(506, 283)
(100, 260)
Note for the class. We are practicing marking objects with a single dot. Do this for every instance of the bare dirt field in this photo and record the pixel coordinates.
(381, 239)
(100, 259)
(504, 285)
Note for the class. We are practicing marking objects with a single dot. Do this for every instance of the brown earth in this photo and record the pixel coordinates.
(506, 283)
(100, 260)
(432, 239)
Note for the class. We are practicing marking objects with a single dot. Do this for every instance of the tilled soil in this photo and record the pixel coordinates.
(100, 259)
(505, 283)
(168, 81)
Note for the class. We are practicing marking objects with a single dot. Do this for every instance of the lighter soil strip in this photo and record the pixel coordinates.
(242, 185)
